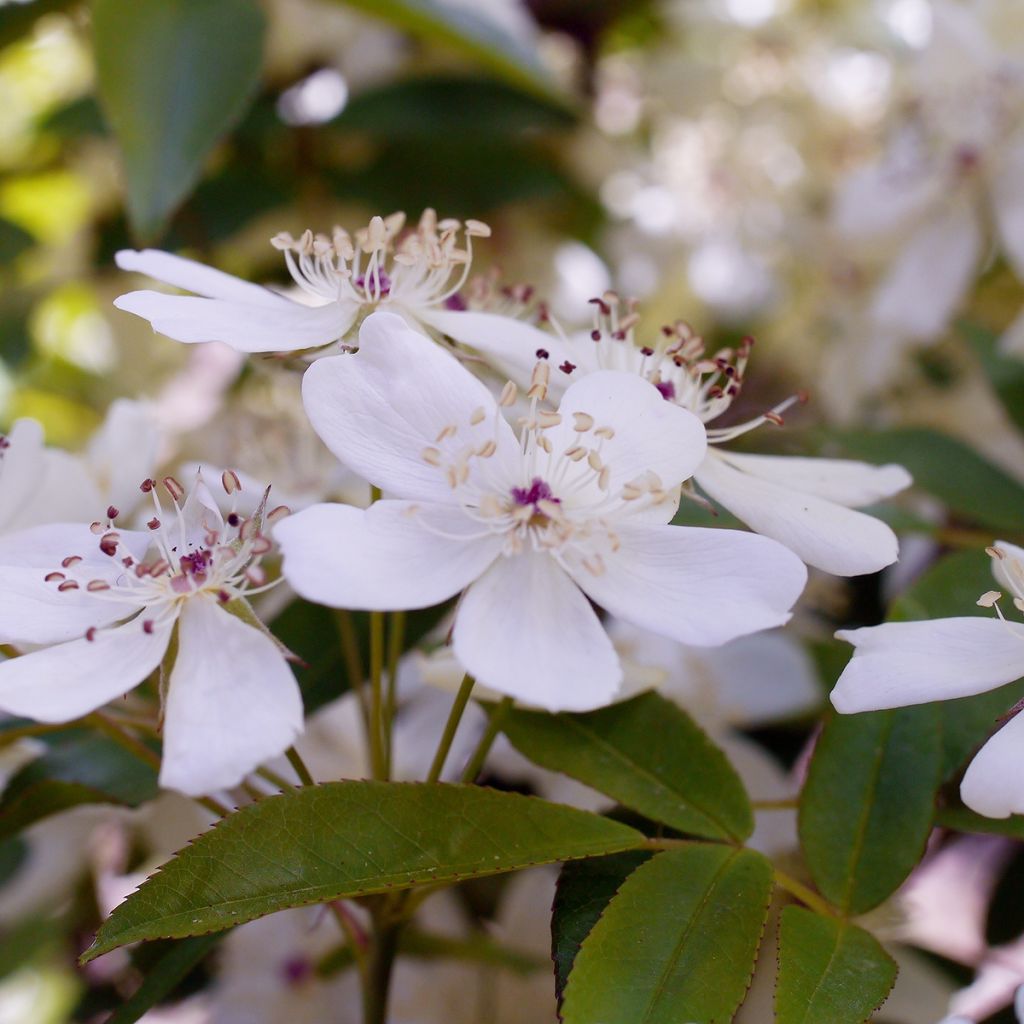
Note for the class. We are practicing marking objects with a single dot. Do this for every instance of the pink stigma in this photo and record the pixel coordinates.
(667, 389)
(537, 492)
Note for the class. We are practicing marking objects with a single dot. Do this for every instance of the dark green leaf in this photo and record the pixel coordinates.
(346, 839)
(677, 943)
(585, 888)
(161, 979)
(971, 486)
(16, 19)
(868, 803)
(951, 588)
(80, 769)
(174, 76)
(1005, 373)
(647, 754)
(471, 33)
(13, 241)
(24, 941)
(830, 971)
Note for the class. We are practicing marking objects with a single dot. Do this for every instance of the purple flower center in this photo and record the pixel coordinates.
(667, 389)
(379, 279)
(537, 492)
(196, 563)
(295, 970)
(456, 302)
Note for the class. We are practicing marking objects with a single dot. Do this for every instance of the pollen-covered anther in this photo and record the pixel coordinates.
(67, 585)
(546, 418)
(275, 515)
(174, 489)
(154, 523)
(113, 512)
(487, 449)
(94, 586)
(90, 634)
(576, 453)
(148, 625)
(543, 443)
(477, 229)
(478, 416)
(606, 432)
(109, 543)
(989, 599)
(448, 431)
(97, 528)
(539, 381)
(255, 575)
(230, 482)
(594, 564)
(54, 577)
(261, 545)
(248, 529)
(431, 456)
(594, 461)
(994, 552)
(71, 560)
(509, 393)
(582, 422)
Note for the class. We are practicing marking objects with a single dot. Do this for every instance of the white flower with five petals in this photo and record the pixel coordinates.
(105, 604)
(529, 528)
(901, 663)
(412, 273)
(808, 504)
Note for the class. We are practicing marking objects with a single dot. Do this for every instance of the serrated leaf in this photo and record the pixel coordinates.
(867, 806)
(950, 588)
(585, 888)
(968, 484)
(78, 768)
(646, 753)
(160, 980)
(677, 943)
(830, 971)
(468, 31)
(173, 77)
(346, 839)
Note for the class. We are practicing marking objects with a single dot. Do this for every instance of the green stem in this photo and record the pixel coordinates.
(274, 779)
(396, 640)
(353, 663)
(804, 894)
(299, 766)
(354, 936)
(377, 695)
(380, 962)
(483, 748)
(450, 728)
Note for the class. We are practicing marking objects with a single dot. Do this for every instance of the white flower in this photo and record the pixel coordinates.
(107, 604)
(953, 164)
(576, 508)
(808, 504)
(901, 663)
(411, 274)
(48, 485)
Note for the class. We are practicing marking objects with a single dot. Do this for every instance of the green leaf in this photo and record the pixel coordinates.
(346, 839)
(173, 77)
(164, 976)
(951, 588)
(585, 888)
(677, 943)
(13, 241)
(647, 754)
(830, 971)
(17, 19)
(473, 34)
(1005, 373)
(866, 809)
(970, 486)
(79, 769)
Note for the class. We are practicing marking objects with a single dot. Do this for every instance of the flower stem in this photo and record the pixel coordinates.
(299, 766)
(483, 748)
(396, 640)
(354, 936)
(450, 727)
(274, 779)
(803, 893)
(380, 961)
(353, 663)
(377, 762)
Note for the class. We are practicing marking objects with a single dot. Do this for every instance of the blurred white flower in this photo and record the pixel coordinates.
(808, 504)
(110, 601)
(901, 663)
(530, 528)
(343, 277)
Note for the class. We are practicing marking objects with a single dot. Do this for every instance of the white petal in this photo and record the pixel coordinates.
(900, 663)
(824, 534)
(1008, 203)
(195, 277)
(64, 682)
(650, 434)
(21, 470)
(392, 555)
(844, 481)
(232, 702)
(881, 199)
(67, 492)
(510, 345)
(930, 276)
(1008, 571)
(247, 327)
(993, 784)
(525, 630)
(123, 452)
(698, 586)
(33, 611)
(379, 409)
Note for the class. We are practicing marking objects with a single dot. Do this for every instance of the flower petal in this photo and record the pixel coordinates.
(930, 276)
(901, 663)
(993, 784)
(232, 703)
(34, 611)
(245, 326)
(393, 555)
(69, 680)
(698, 586)
(378, 409)
(650, 434)
(525, 630)
(123, 452)
(1008, 203)
(196, 277)
(510, 345)
(21, 470)
(824, 534)
(844, 481)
